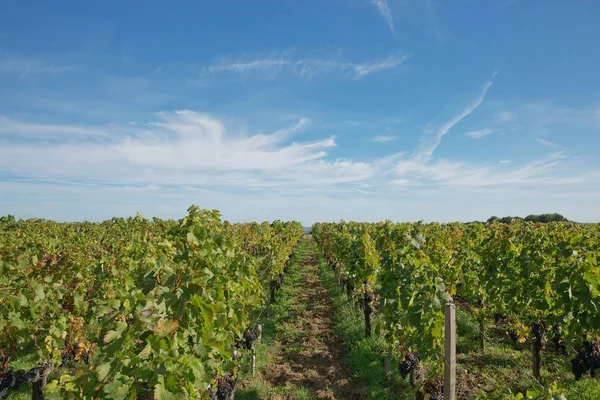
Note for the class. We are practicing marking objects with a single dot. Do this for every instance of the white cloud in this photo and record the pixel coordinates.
(384, 139)
(182, 148)
(506, 116)
(436, 28)
(479, 133)
(386, 14)
(558, 154)
(544, 171)
(30, 130)
(432, 138)
(306, 68)
(547, 143)
(422, 168)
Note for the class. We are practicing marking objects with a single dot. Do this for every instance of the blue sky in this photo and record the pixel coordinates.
(308, 110)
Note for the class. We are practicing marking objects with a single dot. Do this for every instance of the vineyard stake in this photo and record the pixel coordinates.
(253, 361)
(388, 370)
(259, 333)
(481, 326)
(481, 335)
(367, 310)
(450, 353)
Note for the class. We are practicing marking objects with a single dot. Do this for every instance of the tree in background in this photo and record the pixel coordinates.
(542, 218)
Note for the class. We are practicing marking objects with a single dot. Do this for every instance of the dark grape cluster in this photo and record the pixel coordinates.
(538, 329)
(498, 317)
(246, 341)
(436, 391)
(225, 388)
(249, 338)
(411, 361)
(13, 380)
(588, 359)
(71, 353)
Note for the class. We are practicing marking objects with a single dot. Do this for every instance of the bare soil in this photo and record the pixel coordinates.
(314, 360)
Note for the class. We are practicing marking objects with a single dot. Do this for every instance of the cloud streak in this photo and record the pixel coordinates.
(421, 168)
(547, 143)
(384, 139)
(305, 68)
(386, 14)
(182, 147)
(478, 134)
(432, 138)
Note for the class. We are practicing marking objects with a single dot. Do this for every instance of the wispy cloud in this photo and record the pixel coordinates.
(180, 148)
(547, 143)
(23, 66)
(306, 68)
(479, 133)
(548, 170)
(432, 138)
(421, 168)
(386, 14)
(436, 28)
(32, 130)
(384, 139)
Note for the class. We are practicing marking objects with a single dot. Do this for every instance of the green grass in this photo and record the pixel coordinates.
(364, 356)
(505, 367)
(284, 309)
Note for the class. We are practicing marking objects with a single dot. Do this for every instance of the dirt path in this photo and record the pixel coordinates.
(308, 354)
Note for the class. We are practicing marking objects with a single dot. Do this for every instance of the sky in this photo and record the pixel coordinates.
(311, 110)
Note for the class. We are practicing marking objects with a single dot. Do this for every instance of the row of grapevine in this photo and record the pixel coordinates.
(541, 278)
(133, 308)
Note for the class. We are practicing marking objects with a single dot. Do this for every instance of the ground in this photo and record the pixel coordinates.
(305, 359)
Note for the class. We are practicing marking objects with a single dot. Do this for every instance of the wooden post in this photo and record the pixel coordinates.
(259, 333)
(536, 358)
(481, 334)
(367, 310)
(537, 340)
(450, 353)
(253, 361)
(387, 367)
(38, 386)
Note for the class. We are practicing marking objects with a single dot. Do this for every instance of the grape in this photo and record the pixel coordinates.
(225, 388)
(411, 361)
(498, 317)
(588, 359)
(538, 329)
(71, 353)
(249, 338)
(11, 380)
(436, 391)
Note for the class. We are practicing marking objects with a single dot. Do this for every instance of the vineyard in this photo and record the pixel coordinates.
(134, 308)
(160, 309)
(538, 282)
